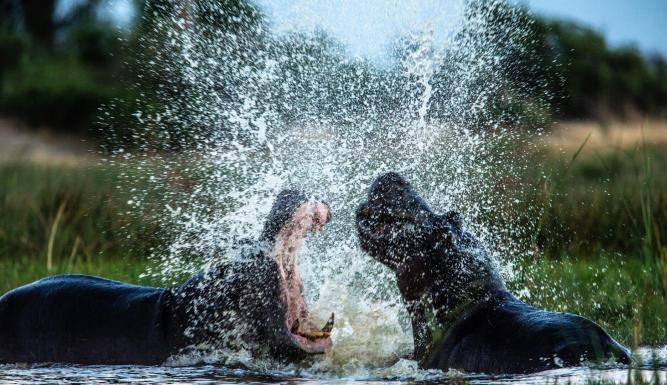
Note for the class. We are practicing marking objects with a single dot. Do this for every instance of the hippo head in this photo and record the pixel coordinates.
(292, 217)
(428, 251)
(397, 227)
(265, 288)
(257, 299)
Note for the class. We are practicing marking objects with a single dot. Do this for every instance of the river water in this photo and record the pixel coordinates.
(403, 372)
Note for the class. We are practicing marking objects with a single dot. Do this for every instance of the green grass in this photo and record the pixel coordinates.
(600, 239)
(20, 271)
(618, 292)
(60, 219)
(608, 201)
(68, 212)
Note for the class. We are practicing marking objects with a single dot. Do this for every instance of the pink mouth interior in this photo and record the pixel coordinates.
(309, 217)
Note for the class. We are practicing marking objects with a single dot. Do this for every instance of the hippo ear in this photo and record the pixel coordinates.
(455, 220)
(447, 229)
(445, 237)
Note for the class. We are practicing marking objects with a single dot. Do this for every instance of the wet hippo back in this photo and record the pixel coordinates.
(88, 320)
(506, 335)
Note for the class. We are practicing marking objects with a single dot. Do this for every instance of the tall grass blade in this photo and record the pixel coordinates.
(52, 236)
(576, 154)
(72, 255)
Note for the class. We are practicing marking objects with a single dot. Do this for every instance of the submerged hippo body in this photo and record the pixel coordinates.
(463, 317)
(254, 302)
(87, 320)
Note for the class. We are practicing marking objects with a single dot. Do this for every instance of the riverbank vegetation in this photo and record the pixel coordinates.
(600, 242)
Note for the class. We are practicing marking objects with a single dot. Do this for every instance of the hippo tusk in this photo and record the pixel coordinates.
(325, 332)
(329, 325)
(314, 334)
(295, 326)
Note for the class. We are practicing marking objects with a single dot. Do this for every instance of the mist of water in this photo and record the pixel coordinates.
(255, 111)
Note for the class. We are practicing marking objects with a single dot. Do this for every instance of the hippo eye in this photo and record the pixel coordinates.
(382, 229)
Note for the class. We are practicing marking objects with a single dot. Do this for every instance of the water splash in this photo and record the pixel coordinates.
(252, 111)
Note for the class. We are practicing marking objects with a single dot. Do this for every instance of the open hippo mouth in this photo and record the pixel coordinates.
(308, 217)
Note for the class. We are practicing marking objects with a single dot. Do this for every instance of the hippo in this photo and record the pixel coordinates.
(463, 317)
(255, 302)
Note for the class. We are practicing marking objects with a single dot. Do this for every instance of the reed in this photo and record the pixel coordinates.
(653, 250)
(67, 212)
(52, 236)
(613, 201)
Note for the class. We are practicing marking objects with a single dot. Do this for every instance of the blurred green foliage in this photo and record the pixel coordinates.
(56, 71)
(95, 219)
(596, 202)
(59, 69)
(594, 79)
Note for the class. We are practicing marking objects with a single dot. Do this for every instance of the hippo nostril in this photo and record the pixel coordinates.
(366, 212)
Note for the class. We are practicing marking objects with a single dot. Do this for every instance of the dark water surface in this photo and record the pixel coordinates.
(211, 374)
(216, 375)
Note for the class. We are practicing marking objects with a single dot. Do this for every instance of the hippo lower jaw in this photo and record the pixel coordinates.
(309, 217)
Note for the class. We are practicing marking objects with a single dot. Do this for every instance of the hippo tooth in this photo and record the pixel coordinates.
(314, 334)
(295, 326)
(329, 325)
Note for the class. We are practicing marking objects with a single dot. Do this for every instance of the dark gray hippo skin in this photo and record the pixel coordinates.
(88, 320)
(462, 315)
